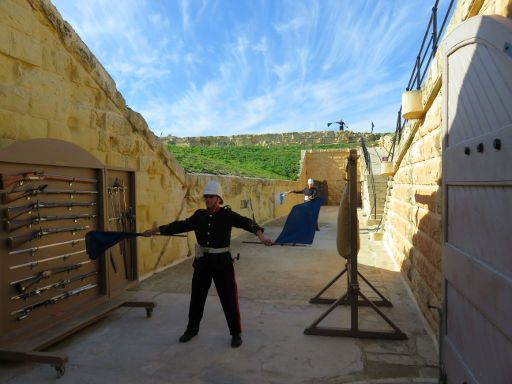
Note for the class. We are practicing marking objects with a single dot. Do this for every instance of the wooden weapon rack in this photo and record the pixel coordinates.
(353, 297)
(52, 193)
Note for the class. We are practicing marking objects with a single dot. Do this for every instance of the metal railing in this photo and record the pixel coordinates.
(425, 56)
(368, 163)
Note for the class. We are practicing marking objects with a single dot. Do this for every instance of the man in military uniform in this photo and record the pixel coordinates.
(310, 192)
(213, 260)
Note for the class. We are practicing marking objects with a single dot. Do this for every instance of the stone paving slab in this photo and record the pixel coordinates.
(275, 284)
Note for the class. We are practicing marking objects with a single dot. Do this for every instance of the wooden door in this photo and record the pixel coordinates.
(477, 191)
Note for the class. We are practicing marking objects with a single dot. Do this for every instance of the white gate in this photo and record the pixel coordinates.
(477, 190)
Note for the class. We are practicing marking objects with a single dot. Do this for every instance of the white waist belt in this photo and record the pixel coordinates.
(200, 250)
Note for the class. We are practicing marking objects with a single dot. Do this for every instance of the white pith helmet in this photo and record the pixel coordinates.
(310, 181)
(213, 188)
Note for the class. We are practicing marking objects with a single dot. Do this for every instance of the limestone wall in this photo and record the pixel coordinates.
(303, 138)
(52, 86)
(413, 225)
(327, 166)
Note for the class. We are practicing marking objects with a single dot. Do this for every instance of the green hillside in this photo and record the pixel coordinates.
(273, 162)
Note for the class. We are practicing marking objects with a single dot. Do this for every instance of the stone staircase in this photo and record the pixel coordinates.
(374, 214)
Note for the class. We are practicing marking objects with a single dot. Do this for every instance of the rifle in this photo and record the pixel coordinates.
(24, 312)
(13, 212)
(58, 285)
(41, 190)
(12, 225)
(35, 263)
(7, 180)
(43, 275)
(14, 241)
(35, 249)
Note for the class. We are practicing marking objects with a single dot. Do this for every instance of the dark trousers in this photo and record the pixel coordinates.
(219, 268)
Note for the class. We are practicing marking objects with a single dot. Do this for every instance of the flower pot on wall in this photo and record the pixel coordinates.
(387, 168)
(412, 107)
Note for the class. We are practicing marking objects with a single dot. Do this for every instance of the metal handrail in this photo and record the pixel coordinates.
(368, 162)
(427, 51)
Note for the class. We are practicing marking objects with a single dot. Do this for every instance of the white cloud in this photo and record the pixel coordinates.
(213, 67)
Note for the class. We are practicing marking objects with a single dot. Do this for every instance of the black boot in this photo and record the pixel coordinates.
(236, 341)
(187, 336)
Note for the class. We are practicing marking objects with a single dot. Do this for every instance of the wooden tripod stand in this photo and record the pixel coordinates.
(353, 296)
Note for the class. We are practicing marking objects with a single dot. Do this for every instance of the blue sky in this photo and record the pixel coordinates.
(224, 67)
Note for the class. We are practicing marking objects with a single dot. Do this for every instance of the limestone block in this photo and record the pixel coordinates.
(433, 117)
(43, 104)
(401, 208)
(14, 99)
(100, 117)
(141, 180)
(137, 121)
(169, 211)
(504, 8)
(63, 107)
(105, 81)
(117, 124)
(126, 145)
(427, 172)
(5, 40)
(155, 212)
(402, 192)
(430, 249)
(26, 49)
(32, 128)
(100, 99)
(71, 71)
(10, 123)
(101, 156)
(130, 162)
(414, 152)
(143, 163)
(85, 137)
(146, 196)
(77, 74)
(115, 159)
(103, 141)
(155, 166)
(47, 60)
(79, 116)
(59, 130)
(430, 223)
(46, 35)
(10, 70)
(142, 214)
(399, 224)
(117, 98)
(430, 146)
(18, 15)
(61, 61)
(81, 94)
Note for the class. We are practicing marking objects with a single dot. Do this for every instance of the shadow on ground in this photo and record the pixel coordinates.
(275, 284)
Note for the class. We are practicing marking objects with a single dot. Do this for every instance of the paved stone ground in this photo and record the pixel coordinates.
(275, 284)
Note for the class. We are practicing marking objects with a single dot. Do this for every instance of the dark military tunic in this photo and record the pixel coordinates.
(213, 230)
(309, 193)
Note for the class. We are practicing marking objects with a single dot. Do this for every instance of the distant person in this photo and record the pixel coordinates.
(213, 260)
(310, 193)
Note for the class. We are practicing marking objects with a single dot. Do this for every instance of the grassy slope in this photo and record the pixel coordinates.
(273, 162)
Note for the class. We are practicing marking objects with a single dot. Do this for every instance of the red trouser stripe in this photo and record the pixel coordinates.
(236, 301)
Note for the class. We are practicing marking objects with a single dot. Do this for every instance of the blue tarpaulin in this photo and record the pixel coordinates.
(300, 224)
(97, 242)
